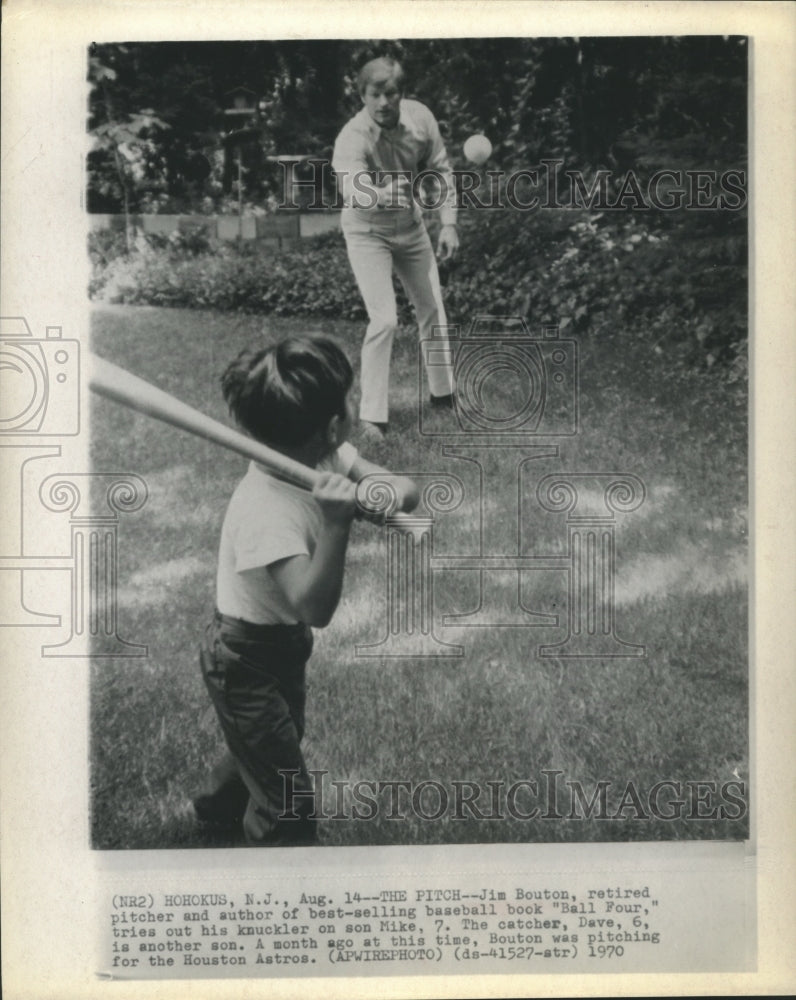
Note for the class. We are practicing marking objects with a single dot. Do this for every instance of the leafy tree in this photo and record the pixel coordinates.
(623, 106)
(130, 142)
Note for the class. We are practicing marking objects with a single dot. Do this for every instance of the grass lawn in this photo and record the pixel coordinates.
(500, 712)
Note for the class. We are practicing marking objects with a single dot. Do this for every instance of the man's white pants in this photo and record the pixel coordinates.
(377, 244)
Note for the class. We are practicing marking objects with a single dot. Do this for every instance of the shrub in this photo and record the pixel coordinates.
(677, 280)
(682, 283)
(312, 279)
(105, 245)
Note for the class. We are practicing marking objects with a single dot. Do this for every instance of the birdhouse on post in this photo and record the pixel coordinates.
(240, 102)
(241, 140)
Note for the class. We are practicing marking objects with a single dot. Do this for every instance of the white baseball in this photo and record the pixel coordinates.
(478, 149)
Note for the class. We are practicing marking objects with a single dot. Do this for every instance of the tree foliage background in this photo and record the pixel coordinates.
(615, 104)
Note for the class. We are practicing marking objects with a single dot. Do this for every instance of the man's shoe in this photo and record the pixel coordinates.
(443, 402)
(225, 806)
(222, 815)
(291, 833)
(372, 432)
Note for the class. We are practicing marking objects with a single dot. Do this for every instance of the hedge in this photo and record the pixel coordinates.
(680, 282)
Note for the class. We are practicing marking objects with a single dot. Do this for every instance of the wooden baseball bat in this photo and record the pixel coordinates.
(114, 383)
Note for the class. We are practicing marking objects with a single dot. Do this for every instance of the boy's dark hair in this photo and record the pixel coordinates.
(284, 394)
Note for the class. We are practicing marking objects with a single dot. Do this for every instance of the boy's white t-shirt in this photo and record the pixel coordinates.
(267, 520)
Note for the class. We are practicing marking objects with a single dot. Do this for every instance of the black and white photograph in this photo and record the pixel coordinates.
(390, 481)
(506, 280)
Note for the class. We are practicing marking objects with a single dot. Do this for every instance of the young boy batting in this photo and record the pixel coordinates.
(280, 571)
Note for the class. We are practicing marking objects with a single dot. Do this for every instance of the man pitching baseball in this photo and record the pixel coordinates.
(377, 156)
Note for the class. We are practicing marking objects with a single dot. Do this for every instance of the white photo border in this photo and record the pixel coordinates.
(52, 883)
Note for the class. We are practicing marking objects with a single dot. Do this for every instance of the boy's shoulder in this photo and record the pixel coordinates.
(262, 507)
(258, 484)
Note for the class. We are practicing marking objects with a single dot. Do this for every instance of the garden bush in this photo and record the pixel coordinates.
(678, 280)
(681, 283)
(312, 279)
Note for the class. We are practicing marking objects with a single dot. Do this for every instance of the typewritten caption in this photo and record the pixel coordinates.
(327, 927)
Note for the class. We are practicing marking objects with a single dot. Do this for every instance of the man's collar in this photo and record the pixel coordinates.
(376, 130)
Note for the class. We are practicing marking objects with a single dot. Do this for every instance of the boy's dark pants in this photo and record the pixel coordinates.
(255, 676)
